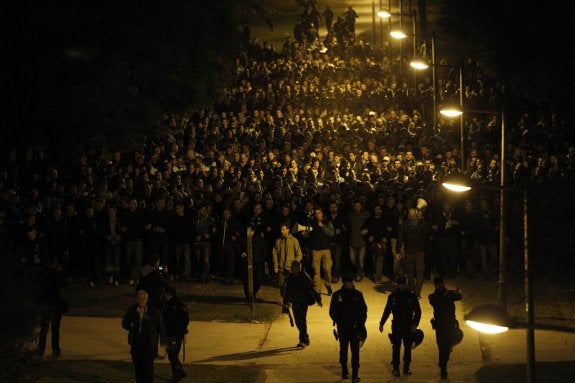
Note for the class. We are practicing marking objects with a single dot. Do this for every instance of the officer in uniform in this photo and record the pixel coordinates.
(146, 326)
(444, 322)
(176, 319)
(404, 306)
(349, 312)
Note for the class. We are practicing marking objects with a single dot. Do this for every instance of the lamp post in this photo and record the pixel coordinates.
(453, 112)
(473, 318)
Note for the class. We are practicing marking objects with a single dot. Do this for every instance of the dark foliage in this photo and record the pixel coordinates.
(524, 42)
(109, 71)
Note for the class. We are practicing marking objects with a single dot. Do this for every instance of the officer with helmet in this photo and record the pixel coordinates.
(446, 326)
(404, 305)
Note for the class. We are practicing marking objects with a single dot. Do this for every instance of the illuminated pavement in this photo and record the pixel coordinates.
(272, 347)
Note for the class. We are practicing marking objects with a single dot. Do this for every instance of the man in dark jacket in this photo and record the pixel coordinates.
(52, 305)
(404, 306)
(349, 312)
(300, 293)
(153, 282)
(444, 322)
(146, 327)
(176, 319)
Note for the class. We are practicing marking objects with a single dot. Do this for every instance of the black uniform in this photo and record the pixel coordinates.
(176, 319)
(52, 305)
(404, 306)
(143, 336)
(299, 291)
(444, 321)
(349, 311)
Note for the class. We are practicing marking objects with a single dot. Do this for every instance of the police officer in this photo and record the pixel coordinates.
(176, 319)
(146, 326)
(404, 306)
(444, 322)
(300, 293)
(349, 312)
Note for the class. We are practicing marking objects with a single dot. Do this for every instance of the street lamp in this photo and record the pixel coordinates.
(398, 34)
(491, 323)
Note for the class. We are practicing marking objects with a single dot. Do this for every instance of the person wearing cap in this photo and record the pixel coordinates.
(348, 311)
(444, 320)
(176, 319)
(404, 305)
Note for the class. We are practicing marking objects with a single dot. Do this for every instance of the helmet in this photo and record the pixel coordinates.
(456, 336)
(417, 338)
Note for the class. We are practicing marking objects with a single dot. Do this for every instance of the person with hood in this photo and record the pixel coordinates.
(300, 293)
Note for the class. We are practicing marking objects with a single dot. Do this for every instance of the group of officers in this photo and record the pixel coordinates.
(150, 323)
(348, 309)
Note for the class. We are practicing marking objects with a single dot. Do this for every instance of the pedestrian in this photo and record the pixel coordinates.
(286, 249)
(349, 312)
(153, 281)
(413, 233)
(300, 293)
(52, 305)
(145, 328)
(444, 322)
(404, 305)
(176, 319)
(322, 231)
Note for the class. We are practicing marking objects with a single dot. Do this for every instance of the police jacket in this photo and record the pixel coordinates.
(299, 290)
(144, 330)
(404, 306)
(176, 318)
(348, 310)
(442, 301)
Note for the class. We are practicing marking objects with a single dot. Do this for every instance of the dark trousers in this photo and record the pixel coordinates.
(143, 359)
(443, 338)
(349, 341)
(49, 320)
(401, 335)
(227, 260)
(173, 351)
(300, 319)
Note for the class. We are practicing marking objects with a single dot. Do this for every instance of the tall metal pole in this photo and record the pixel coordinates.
(400, 42)
(461, 120)
(414, 31)
(373, 21)
(528, 295)
(502, 279)
(381, 25)
(434, 80)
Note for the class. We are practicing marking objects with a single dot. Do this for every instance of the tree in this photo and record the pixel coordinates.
(109, 71)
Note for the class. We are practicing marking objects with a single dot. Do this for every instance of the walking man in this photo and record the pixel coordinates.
(145, 327)
(176, 319)
(321, 234)
(349, 312)
(444, 322)
(299, 292)
(286, 250)
(404, 306)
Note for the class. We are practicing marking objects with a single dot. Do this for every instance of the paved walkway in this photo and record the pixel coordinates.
(272, 346)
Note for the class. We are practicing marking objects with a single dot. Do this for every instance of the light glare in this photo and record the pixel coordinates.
(383, 14)
(456, 188)
(451, 112)
(418, 64)
(398, 34)
(486, 328)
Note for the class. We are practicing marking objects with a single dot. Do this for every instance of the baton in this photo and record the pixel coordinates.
(290, 317)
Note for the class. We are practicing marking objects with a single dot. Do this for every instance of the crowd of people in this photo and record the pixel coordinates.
(332, 126)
